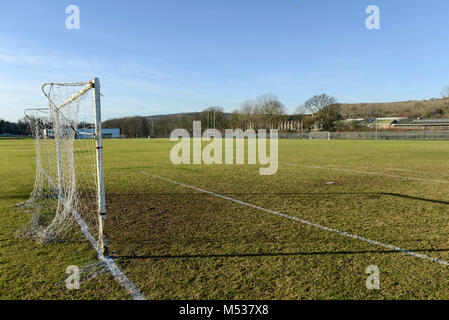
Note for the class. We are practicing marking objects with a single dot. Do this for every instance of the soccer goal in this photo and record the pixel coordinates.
(68, 198)
(320, 135)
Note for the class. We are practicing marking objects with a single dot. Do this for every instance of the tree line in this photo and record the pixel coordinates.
(19, 128)
(264, 112)
(320, 112)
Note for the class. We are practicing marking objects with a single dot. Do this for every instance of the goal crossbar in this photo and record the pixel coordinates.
(87, 86)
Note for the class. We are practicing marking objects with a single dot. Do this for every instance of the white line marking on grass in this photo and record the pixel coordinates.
(283, 215)
(110, 264)
(123, 279)
(388, 169)
(366, 172)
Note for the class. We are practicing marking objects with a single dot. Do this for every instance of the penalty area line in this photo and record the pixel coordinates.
(366, 172)
(309, 223)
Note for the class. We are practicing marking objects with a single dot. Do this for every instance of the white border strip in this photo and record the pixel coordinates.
(342, 233)
(110, 264)
(367, 172)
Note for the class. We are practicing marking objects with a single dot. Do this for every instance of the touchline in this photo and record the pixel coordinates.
(212, 153)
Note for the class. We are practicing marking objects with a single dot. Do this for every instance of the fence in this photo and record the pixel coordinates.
(380, 135)
(362, 135)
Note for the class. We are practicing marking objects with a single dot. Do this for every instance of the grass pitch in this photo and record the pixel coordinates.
(176, 243)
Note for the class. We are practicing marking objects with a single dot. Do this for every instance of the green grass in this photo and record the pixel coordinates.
(176, 243)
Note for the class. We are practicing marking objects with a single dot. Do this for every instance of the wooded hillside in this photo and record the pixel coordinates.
(434, 108)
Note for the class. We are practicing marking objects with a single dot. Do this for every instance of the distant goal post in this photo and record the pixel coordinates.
(69, 187)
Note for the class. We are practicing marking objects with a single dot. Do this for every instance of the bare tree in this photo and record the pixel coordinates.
(300, 109)
(246, 113)
(271, 110)
(247, 108)
(212, 117)
(319, 102)
(445, 92)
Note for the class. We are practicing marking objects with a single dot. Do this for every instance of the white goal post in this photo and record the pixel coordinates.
(69, 186)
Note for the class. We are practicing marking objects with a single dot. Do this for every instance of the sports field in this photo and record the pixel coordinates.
(225, 232)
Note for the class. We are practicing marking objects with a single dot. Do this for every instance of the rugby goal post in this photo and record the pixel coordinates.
(69, 193)
(320, 135)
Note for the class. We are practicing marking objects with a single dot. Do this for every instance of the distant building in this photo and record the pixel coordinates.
(379, 123)
(436, 124)
(396, 123)
(110, 133)
(385, 123)
(107, 133)
(84, 133)
(50, 133)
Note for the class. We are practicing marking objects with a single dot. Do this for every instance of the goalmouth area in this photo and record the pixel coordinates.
(225, 232)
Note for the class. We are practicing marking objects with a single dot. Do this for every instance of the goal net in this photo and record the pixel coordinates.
(68, 199)
(320, 135)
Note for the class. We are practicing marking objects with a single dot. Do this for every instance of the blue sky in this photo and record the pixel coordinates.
(156, 57)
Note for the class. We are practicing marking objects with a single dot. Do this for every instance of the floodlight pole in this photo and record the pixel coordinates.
(102, 240)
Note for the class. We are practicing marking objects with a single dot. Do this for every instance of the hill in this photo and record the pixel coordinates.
(433, 108)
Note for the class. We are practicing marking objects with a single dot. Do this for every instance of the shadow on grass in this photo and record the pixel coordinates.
(282, 254)
(270, 254)
(391, 194)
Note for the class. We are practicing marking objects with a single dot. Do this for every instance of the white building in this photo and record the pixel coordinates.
(86, 133)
